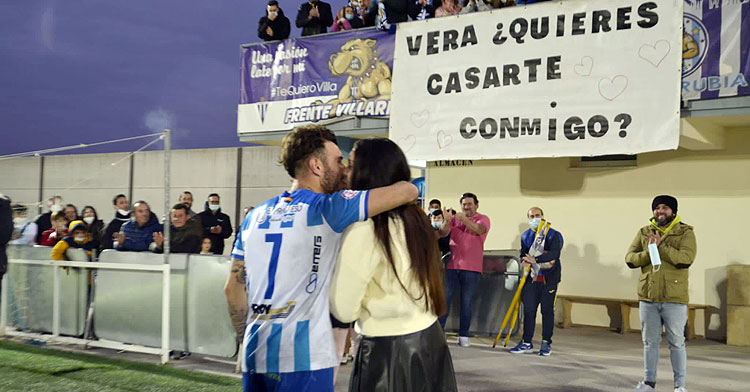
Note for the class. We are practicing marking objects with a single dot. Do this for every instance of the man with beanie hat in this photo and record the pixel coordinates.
(663, 250)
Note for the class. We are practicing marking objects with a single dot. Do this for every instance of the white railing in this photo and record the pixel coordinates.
(55, 337)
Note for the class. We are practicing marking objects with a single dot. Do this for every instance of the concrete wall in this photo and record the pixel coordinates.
(599, 211)
(93, 179)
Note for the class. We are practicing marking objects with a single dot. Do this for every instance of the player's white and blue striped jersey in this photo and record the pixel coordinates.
(290, 245)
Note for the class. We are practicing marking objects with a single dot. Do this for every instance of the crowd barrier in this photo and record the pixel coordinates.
(493, 296)
(128, 303)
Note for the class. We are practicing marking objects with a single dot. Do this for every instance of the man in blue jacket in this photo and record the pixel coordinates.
(138, 235)
(542, 286)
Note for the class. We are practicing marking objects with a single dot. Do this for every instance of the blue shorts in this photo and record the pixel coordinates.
(314, 381)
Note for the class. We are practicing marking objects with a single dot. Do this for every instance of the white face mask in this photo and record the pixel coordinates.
(214, 207)
(19, 221)
(89, 219)
(431, 210)
(56, 208)
(273, 13)
(534, 223)
(123, 212)
(79, 239)
(437, 225)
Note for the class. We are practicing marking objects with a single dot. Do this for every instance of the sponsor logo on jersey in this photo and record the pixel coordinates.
(267, 312)
(349, 194)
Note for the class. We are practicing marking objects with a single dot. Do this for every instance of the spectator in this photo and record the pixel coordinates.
(44, 221)
(436, 218)
(360, 8)
(468, 230)
(474, 6)
(206, 246)
(216, 224)
(96, 225)
(541, 283)
(274, 25)
(24, 232)
(422, 9)
(58, 231)
(448, 8)
(71, 213)
(122, 215)
(384, 13)
(314, 17)
(389, 282)
(434, 206)
(181, 240)
(186, 198)
(346, 20)
(663, 250)
(138, 235)
(78, 238)
(194, 223)
(6, 230)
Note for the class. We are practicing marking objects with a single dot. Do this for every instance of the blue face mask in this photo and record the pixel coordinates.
(437, 225)
(534, 223)
(431, 210)
(349, 16)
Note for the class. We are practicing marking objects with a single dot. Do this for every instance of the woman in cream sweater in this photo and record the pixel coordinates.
(389, 283)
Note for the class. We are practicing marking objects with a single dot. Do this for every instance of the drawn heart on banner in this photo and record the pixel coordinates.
(443, 140)
(584, 67)
(407, 143)
(610, 89)
(655, 53)
(418, 119)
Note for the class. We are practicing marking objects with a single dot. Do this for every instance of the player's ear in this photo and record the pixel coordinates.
(315, 165)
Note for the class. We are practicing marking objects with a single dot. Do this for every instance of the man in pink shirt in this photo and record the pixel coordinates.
(468, 230)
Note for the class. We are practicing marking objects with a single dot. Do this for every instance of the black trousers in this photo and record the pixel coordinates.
(533, 294)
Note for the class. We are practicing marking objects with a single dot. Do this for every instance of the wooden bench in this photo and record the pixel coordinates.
(624, 306)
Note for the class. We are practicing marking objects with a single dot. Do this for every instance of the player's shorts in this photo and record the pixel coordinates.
(313, 381)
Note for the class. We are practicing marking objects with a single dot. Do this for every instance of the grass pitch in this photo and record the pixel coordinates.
(28, 368)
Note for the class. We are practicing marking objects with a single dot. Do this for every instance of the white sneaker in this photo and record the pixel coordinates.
(463, 341)
(643, 387)
(680, 389)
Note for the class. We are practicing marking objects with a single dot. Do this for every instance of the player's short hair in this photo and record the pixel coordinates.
(300, 144)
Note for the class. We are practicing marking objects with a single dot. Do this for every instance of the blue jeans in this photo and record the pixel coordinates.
(673, 317)
(468, 281)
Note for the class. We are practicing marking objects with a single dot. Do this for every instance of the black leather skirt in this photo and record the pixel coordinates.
(415, 362)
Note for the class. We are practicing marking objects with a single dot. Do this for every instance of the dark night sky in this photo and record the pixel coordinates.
(86, 71)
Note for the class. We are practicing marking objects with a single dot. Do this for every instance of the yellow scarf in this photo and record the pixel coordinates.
(675, 221)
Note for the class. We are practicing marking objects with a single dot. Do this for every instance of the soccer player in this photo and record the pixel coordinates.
(279, 299)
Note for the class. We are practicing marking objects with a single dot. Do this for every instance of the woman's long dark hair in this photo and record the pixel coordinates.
(378, 163)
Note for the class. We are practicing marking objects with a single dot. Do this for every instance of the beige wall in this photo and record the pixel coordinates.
(598, 211)
(93, 179)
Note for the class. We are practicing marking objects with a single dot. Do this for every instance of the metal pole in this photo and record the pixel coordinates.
(238, 191)
(56, 303)
(4, 303)
(41, 185)
(165, 300)
(130, 178)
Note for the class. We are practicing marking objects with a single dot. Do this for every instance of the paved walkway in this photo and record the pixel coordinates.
(583, 359)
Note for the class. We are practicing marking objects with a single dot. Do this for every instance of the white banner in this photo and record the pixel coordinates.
(575, 78)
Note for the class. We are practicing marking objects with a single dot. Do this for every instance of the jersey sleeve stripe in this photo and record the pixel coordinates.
(363, 205)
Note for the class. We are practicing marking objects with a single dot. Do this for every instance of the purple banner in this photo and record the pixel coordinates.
(715, 49)
(288, 83)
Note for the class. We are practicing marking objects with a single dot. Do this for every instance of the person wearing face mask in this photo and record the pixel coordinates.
(436, 219)
(78, 238)
(122, 215)
(216, 224)
(540, 286)
(274, 26)
(346, 20)
(96, 225)
(44, 221)
(24, 231)
(434, 206)
(663, 250)
(314, 17)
